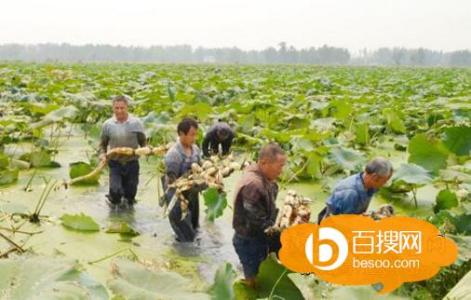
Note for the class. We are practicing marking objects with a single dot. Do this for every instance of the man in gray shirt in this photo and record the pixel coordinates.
(178, 161)
(122, 130)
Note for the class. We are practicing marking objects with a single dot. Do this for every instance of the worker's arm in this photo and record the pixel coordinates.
(104, 141)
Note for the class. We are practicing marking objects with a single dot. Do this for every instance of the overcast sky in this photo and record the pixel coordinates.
(247, 24)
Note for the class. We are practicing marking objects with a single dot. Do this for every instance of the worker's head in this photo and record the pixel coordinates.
(120, 107)
(271, 161)
(222, 134)
(377, 173)
(187, 130)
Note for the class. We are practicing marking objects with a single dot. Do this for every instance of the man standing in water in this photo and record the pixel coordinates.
(353, 194)
(122, 130)
(178, 161)
(255, 210)
(218, 134)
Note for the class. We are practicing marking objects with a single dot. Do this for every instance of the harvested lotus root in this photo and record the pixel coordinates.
(120, 151)
(149, 150)
(295, 210)
(384, 211)
(208, 174)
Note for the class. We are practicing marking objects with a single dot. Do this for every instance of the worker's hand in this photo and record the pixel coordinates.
(272, 230)
(200, 187)
(102, 157)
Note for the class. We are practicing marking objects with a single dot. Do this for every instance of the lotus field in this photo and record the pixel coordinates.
(60, 241)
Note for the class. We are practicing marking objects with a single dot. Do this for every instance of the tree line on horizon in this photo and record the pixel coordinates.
(282, 54)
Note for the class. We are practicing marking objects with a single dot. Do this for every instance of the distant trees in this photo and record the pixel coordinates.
(282, 54)
(460, 58)
(413, 57)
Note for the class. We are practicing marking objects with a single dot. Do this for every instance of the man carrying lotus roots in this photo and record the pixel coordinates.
(255, 211)
(178, 161)
(353, 194)
(122, 130)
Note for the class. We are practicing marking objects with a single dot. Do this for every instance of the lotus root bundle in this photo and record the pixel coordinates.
(208, 174)
(295, 210)
(120, 151)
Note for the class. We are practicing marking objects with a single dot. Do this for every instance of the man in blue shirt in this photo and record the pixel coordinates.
(353, 194)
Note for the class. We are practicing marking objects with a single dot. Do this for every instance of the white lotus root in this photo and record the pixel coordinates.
(384, 211)
(149, 150)
(210, 173)
(295, 211)
(462, 194)
(120, 151)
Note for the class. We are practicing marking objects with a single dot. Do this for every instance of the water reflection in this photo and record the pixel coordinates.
(122, 214)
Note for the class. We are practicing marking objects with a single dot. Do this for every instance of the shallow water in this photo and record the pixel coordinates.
(156, 241)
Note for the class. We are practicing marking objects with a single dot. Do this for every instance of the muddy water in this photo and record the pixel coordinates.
(156, 241)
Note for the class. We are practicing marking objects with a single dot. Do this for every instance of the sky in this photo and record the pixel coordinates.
(247, 24)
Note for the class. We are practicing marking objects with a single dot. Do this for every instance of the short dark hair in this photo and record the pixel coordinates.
(185, 125)
(222, 133)
(270, 152)
(121, 98)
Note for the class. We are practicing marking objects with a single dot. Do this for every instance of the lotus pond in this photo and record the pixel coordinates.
(58, 243)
